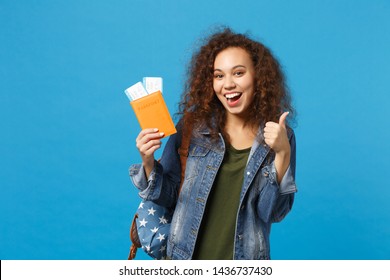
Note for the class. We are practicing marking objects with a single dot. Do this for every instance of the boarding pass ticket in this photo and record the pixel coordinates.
(149, 85)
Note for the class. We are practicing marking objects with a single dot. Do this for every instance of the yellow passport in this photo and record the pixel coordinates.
(152, 112)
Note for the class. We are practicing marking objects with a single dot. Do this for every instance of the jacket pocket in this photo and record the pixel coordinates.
(196, 156)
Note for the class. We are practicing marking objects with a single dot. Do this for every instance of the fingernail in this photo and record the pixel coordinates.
(155, 130)
(161, 133)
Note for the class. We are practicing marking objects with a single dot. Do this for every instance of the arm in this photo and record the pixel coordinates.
(147, 142)
(276, 199)
(159, 180)
(275, 136)
(287, 186)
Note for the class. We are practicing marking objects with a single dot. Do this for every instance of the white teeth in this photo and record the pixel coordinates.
(232, 95)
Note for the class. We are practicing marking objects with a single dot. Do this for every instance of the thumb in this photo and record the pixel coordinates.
(282, 119)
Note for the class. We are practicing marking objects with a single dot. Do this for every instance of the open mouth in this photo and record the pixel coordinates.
(232, 98)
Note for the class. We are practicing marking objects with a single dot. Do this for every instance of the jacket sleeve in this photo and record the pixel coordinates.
(276, 200)
(164, 180)
(287, 187)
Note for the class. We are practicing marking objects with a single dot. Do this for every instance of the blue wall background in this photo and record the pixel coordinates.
(68, 131)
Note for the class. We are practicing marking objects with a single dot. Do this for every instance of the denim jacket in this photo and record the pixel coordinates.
(262, 200)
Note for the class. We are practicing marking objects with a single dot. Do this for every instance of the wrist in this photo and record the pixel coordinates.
(282, 161)
(284, 153)
(148, 167)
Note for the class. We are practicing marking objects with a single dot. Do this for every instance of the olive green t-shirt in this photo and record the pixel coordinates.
(216, 235)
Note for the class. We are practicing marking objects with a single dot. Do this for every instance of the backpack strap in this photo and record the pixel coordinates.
(134, 238)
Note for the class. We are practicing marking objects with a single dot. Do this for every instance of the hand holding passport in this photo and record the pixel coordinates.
(149, 106)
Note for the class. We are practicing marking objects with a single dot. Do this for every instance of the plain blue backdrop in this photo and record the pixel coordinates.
(68, 132)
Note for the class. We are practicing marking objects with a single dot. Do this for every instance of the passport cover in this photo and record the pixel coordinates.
(152, 112)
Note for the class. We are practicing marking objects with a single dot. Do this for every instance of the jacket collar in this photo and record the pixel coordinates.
(259, 141)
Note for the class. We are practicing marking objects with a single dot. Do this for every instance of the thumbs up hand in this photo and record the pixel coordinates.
(275, 135)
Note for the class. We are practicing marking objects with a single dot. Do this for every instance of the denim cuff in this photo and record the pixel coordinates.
(287, 185)
(147, 187)
(138, 177)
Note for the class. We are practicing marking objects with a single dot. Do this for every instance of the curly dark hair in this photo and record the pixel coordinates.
(199, 104)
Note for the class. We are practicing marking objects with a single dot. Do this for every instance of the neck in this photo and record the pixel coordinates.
(240, 134)
(235, 122)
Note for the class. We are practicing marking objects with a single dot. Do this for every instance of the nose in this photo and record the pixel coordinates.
(229, 83)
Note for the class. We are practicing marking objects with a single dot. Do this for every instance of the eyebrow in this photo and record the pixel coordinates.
(237, 66)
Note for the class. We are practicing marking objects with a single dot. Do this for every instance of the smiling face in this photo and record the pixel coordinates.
(233, 80)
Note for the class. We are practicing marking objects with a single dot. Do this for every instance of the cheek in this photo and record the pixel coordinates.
(217, 86)
(249, 86)
(249, 82)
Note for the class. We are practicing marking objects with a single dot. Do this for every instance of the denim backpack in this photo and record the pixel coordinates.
(152, 222)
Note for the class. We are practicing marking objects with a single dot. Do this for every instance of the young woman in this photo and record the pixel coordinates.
(240, 171)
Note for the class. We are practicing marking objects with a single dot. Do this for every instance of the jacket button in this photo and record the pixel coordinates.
(240, 236)
(248, 173)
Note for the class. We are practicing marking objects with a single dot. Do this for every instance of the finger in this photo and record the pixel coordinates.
(269, 142)
(153, 136)
(152, 150)
(282, 119)
(270, 136)
(271, 124)
(145, 132)
(146, 140)
(150, 136)
(149, 145)
(271, 129)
